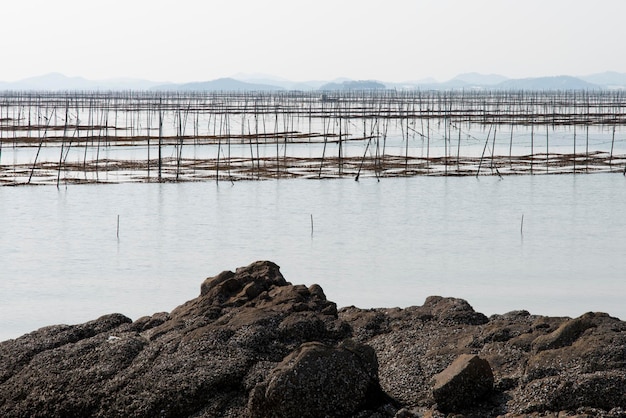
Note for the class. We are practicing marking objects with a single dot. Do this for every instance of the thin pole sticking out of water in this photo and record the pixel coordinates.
(67, 112)
(118, 226)
(458, 151)
(574, 149)
(511, 147)
(521, 228)
(547, 147)
(161, 135)
(311, 224)
(587, 150)
(480, 163)
(612, 143)
(532, 145)
(493, 147)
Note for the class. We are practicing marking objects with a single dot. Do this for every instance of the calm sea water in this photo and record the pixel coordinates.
(367, 243)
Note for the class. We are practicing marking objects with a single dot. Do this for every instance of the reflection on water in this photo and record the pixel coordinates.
(387, 243)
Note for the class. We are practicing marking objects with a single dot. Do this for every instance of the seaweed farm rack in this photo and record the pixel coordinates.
(115, 137)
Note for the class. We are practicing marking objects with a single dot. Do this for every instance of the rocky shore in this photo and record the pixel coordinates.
(254, 345)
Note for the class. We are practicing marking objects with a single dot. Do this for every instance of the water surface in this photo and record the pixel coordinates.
(371, 244)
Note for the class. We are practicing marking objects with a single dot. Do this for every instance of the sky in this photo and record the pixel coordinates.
(300, 40)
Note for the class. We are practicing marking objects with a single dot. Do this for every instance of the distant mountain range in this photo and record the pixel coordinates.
(243, 82)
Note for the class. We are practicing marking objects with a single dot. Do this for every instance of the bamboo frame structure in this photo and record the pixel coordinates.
(111, 137)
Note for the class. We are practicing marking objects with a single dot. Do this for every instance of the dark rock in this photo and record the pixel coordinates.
(416, 343)
(467, 380)
(193, 361)
(148, 322)
(566, 334)
(600, 390)
(250, 330)
(454, 311)
(317, 381)
(15, 354)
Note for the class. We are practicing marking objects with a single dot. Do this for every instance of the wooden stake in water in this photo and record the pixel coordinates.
(311, 224)
(521, 228)
(161, 135)
(480, 163)
(612, 144)
(574, 159)
(118, 226)
(547, 148)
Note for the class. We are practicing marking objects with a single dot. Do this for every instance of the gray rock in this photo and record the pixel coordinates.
(317, 381)
(467, 380)
(599, 390)
(216, 355)
(453, 310)
(565, 334)
(541, 365)
(202, 359)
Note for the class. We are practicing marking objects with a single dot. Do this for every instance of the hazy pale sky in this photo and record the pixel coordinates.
(389, 40)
